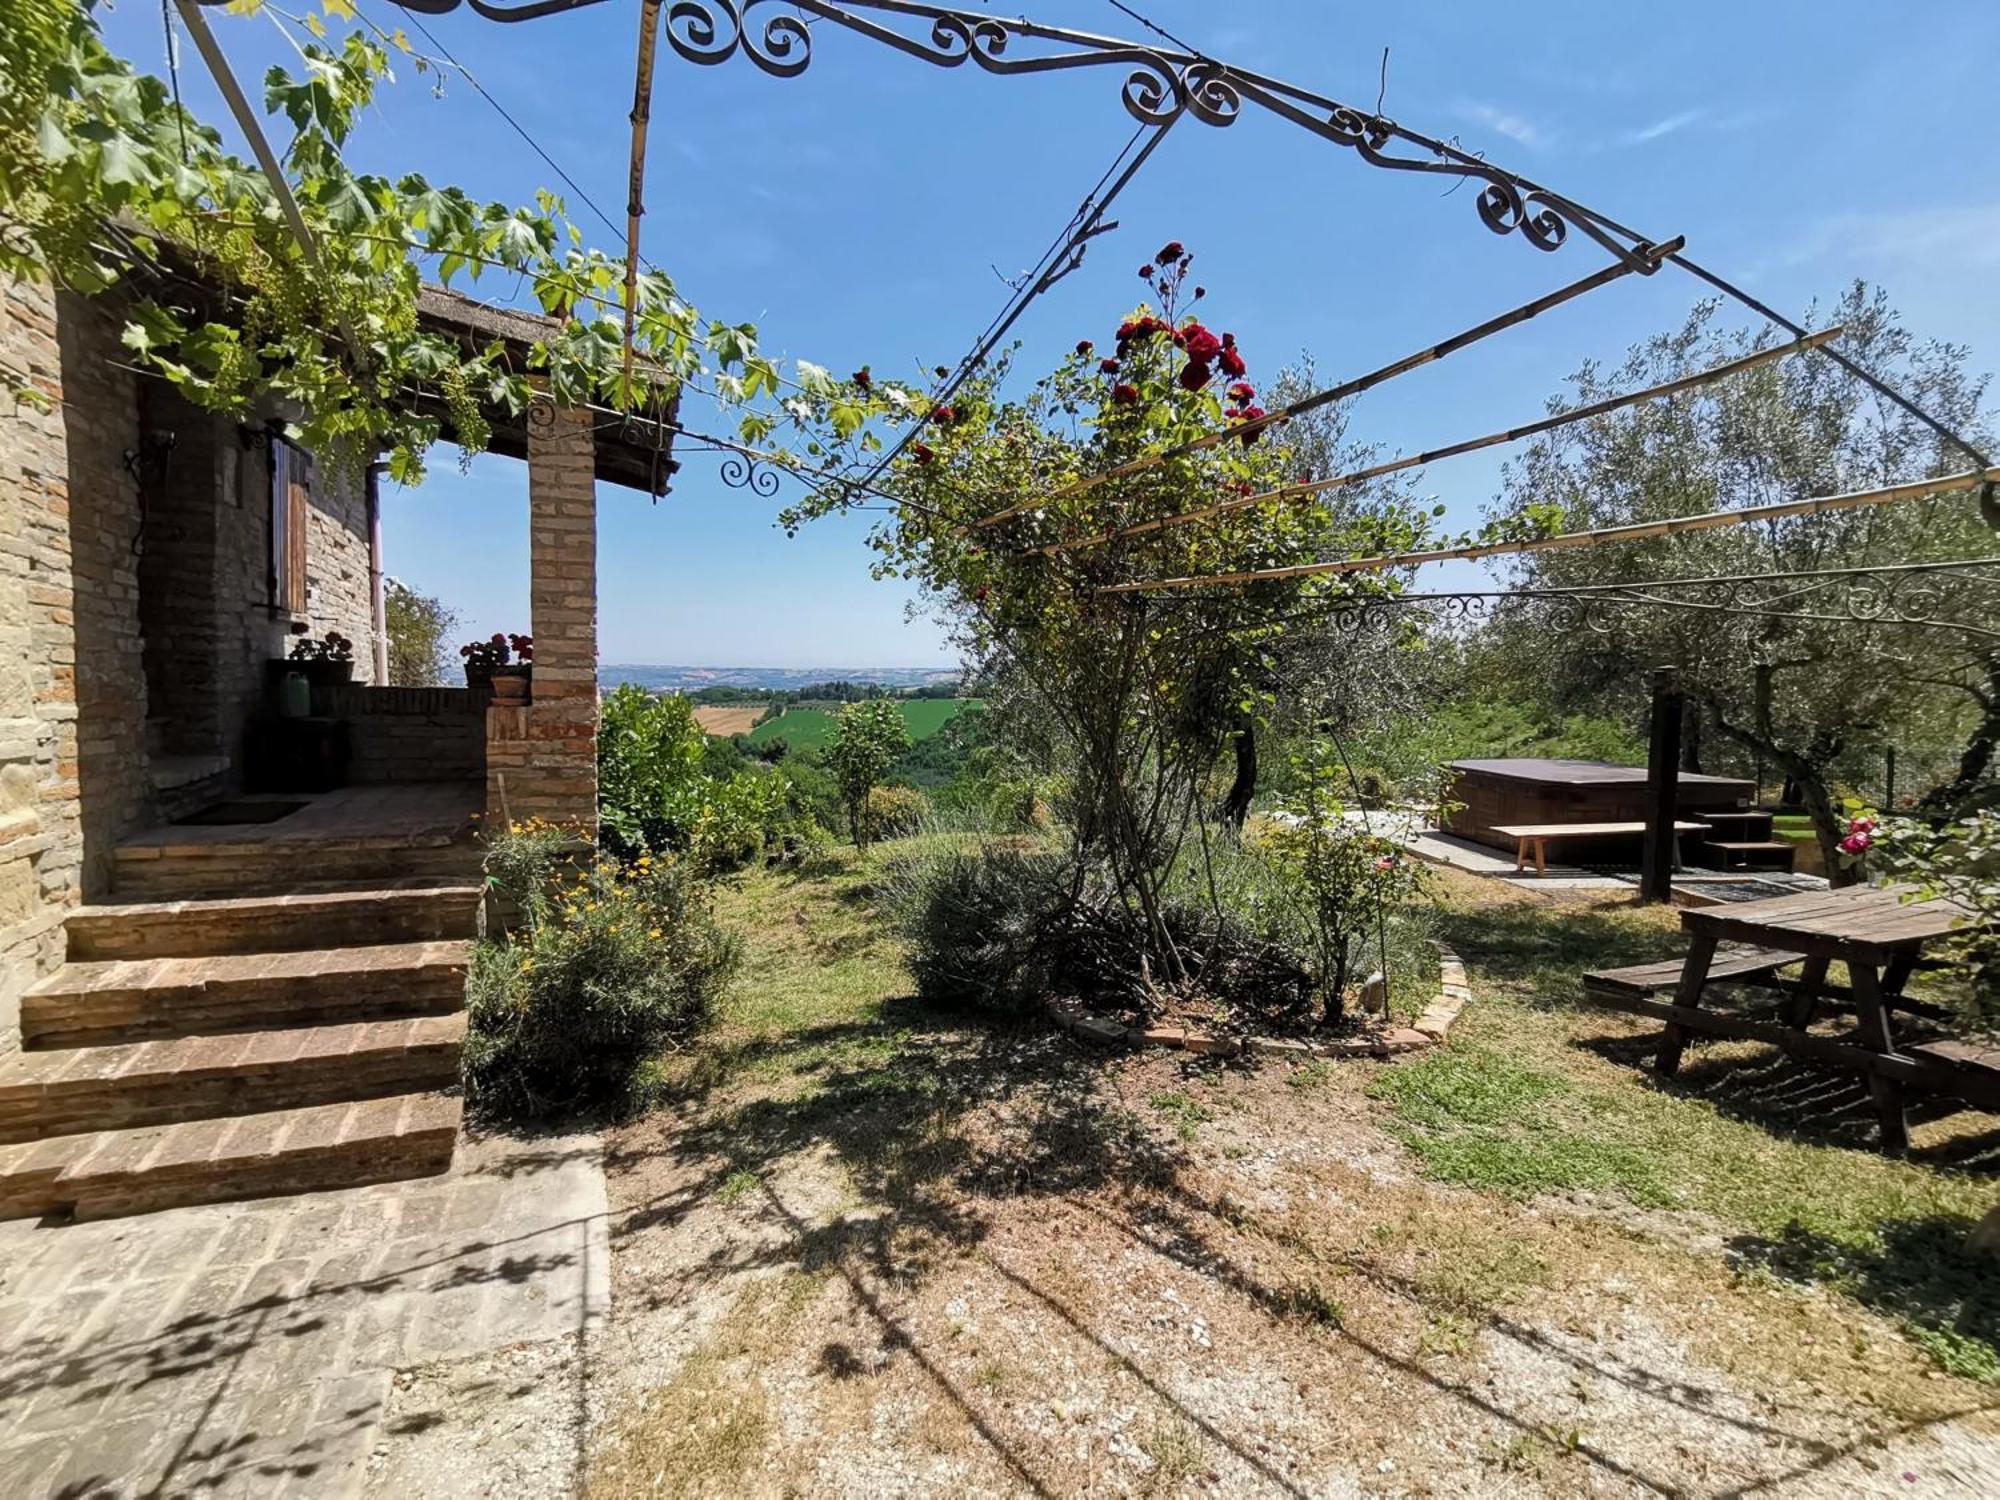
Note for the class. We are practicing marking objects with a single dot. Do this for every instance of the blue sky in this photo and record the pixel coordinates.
(862, 213)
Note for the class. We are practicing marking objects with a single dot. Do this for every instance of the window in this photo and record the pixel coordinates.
(291, 492)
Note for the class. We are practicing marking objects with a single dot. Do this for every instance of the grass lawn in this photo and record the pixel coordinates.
(807, 726)
(868, 1246)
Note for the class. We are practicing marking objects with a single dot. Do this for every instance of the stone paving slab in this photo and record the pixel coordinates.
(249, 1348)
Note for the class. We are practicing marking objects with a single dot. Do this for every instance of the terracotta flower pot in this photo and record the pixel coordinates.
(510, 684)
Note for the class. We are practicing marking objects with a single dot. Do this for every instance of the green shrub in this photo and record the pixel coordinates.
(606, 967)
(974, 921)
(665, 787)
(894, 812)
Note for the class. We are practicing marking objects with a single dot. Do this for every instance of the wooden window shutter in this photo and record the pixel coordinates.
(291, 491)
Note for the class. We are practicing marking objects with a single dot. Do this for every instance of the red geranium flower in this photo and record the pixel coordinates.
(1083, 347)
(1232, 363)
(1107, 367)
(1194, 375)
(1201, 344)
(1241, 393)
(1124, 395)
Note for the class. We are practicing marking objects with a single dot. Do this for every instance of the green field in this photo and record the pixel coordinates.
(805, 726)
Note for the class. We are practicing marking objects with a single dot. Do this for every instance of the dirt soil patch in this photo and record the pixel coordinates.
(871, 1248)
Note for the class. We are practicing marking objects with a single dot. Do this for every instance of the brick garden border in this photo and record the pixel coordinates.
(1429, 1029)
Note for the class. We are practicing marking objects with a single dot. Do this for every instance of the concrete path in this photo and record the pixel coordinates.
(253, 1348)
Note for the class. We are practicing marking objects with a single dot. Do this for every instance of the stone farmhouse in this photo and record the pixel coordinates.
(233, 936)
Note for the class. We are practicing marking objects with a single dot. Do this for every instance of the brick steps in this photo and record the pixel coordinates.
(120, 1000)
(402, 911)
(138, 1084)
(108, 1173)
(171, 872)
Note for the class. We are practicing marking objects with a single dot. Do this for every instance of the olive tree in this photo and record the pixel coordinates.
(867, 739)
(1801, 673)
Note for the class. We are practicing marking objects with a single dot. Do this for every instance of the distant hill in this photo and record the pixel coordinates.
(767, 679)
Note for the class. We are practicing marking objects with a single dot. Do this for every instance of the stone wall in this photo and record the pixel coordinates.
(206, 600)
(128, 520)
(72, 696)
(413, 734)
(541, 760)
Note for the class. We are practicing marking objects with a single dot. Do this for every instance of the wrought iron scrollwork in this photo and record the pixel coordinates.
(741, 472)
(1160, 85)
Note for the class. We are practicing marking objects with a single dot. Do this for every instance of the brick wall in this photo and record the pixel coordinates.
(541, 760)
(206, 601)
(72, 754)
(413, 734)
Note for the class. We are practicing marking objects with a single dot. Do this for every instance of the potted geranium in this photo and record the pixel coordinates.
(326, 662)
(504, 663)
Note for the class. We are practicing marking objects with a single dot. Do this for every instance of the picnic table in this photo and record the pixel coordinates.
(1879, 934)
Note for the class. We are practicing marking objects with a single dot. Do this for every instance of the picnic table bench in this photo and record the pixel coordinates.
(1877, 932)
(1535, 836)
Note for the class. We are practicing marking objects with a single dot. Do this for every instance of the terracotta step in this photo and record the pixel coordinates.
(399, 912)
(133, 999)
(178, 872)
(189, 1078)
(115, 1172)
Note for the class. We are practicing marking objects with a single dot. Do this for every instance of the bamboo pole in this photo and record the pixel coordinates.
(1510, 319)
(635, 193)
(1471, 445)
(1915, 489)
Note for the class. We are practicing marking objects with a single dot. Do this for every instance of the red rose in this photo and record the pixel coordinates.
(1107, 367)
(862, 378)
(1232, 363)
(1146, 271)
(1083, 347)
(1241, 393)
(1229, 341)
(1169, 253)
(1252, 414)
(1200, 292)
(1124, 395)
(945, 416)
(1200, 343)
(1128, 330)
(1194, 375)
(922, 452)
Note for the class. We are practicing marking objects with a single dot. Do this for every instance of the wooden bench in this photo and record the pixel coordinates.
(1535, 836)
(1654, 979)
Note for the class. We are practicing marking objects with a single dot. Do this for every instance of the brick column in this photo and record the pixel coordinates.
(541, 760)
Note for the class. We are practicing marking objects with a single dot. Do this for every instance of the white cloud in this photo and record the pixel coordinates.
(1513, 126)
(1665, 127)
(1957, 237)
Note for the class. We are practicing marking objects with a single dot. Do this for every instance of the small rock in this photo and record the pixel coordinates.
(1375, 994)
